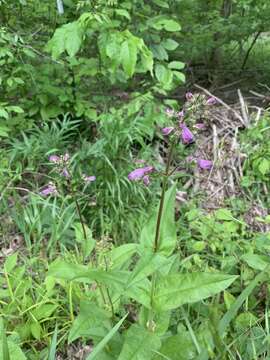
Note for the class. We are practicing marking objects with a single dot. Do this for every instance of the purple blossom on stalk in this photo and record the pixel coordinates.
(181, 114)
(189, 95)
(65, 173)
(89, 179)
(199, 126)
(167, 130)
(169, 112)
(205, 164)
(146, 180)
(54, 159)
(187, 136)
(66, 157)
(211, 101)
(139, 173)
(49, 190)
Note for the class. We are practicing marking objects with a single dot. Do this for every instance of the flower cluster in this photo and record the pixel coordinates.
(186, 125)
(62, 166)
(141, 174)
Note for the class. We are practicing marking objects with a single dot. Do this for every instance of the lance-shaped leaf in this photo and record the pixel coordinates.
(140, 344)
(175, 290)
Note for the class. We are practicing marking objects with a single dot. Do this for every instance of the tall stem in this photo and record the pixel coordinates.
(164, 188)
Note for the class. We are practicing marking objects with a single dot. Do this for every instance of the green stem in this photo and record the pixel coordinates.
(161, 204)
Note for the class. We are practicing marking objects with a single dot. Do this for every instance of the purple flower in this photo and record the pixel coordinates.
(199, 126)
(139, 173)
(189, 95)
(54, 159)
(65, 173)
(146, 180)
(181, 114)
(205, 164)
(89, 179)
(66, 157)
(49, 190)
(169, 112)
(211, 101)
(167, 130)
(187, 136)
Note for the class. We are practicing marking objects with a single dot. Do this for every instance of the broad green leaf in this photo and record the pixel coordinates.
(10, 262)
(139, 344)
(44, 311)
(175, 290)
(128, 55)
(170, 44)
(66, 271)
(90, 322)
(167, 239)
(141, 292)
(224, 214)
(178, 65)
(163, 74)
(66, 38)
(105, 340)
(177, 347)
(3, 113)
(123, 12)
(121, 254)
(171, 25)
(264, 166)
(4, 131)
(257, 262)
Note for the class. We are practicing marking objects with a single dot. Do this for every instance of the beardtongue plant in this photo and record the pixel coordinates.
(131, 291)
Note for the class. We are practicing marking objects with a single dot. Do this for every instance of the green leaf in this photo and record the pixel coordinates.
(66, 271)
(257, 262)
(163, 74)
(168, 238)
(121, 254)
(178, 65)
(123, 12)
(139, 344)
(175, 290)
(224, 214)
(88, 245)
(171, 25)
(52, 349)
(10, 262)
(264, 166)
(232, 312)
(3, 113)
(90, 322)
(161, 3)
(8, 349)
(66, 38)
(5, 350)
(170, 44)
(128, 55)
(105, 340)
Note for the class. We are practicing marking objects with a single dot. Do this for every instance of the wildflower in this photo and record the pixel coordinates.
(54, 159)
(169, 112)
(167, 130)
(139, 173)
(65, 173)
(89, 179)
(189, 95)
(49, 190)
(180, 114)
(187, 136)
(66, 157)
(146, 180)
(211, 101)
(199, 126)
(205, 164)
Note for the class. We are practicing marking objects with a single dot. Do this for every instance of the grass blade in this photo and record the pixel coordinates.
(52, 351)
(105, 340)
